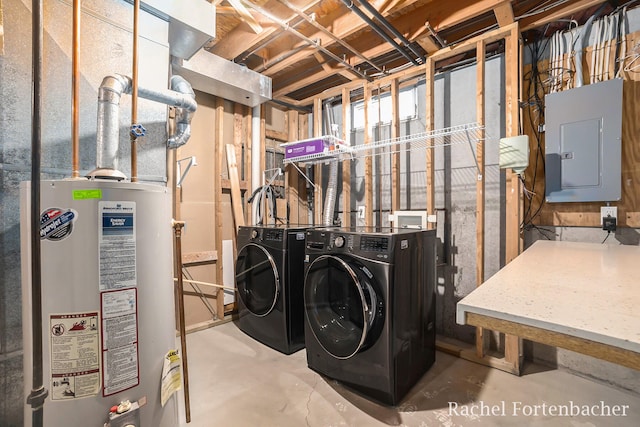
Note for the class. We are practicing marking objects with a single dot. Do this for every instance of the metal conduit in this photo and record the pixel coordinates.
(378, 30)
(134, 93)
(391, 28)
(344, 44)
(38, 391)
(75, 92)
(297, 33)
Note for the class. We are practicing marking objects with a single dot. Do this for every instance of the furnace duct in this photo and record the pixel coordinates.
(180, 96)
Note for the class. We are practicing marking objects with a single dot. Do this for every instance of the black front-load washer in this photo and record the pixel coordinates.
(370, 308)
(270, 279)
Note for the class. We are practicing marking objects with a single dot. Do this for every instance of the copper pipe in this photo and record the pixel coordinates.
(179, 291)
(75, 83)
(134, 93)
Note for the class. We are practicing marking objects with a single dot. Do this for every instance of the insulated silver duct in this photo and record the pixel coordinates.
(181, 96)
(332, 192)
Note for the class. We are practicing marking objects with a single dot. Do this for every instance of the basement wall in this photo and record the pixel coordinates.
(106, 46)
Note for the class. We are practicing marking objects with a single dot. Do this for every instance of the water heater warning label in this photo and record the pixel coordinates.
(75, 355)
(117, 245)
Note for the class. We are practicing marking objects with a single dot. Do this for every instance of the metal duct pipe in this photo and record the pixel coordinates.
(378, 30)
(38, 391)
(391, 28)
(332, 192)
(109, 94)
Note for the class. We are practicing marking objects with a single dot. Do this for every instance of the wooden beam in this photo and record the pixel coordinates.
(566, 10)
(246, 16)
(317, 179)
(504, 13)
(1, 31)
(292, 176)
(395, 157)
(430, 126)
(513, 203)
(467, 45)
(368, 161)
(274, 134)
(192, 259)
(236, 197)
(346, 166)
(427, 43)
(219, 141)
(482, 342)
(226, 184)
(602, 351)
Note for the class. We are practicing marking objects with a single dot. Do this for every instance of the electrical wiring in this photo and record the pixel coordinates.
(535, 104)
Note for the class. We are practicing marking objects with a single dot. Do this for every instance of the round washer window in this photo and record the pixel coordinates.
(340, 305)
(257, 279)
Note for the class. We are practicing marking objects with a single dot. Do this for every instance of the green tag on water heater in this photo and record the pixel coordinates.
(87, 194)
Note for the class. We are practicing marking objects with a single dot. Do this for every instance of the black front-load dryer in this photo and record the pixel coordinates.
(270, 279)
(370, 308)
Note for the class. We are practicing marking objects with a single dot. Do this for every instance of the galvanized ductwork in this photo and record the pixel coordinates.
(181, 96)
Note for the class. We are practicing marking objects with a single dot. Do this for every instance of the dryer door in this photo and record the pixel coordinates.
(341, 305)
(257, 279)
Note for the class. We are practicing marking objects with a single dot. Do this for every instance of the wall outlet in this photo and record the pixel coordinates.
(608, 211)
(361, 212)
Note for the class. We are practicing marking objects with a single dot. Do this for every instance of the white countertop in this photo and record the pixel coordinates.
(586, 290)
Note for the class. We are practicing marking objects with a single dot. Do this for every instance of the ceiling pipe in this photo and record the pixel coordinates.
(375, 27)
(297, 33)
(392, 29)
(335, 38)
(267, 42)
(435, 35)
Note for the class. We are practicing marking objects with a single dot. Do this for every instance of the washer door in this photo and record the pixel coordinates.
(341, 305)
(257, 279)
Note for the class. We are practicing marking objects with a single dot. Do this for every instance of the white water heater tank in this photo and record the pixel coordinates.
(107, 300)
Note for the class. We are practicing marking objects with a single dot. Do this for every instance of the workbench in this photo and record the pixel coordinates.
(584, 297)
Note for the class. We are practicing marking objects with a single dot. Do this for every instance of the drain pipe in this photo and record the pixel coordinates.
(38, 391)
(332, 185)
(375, 27)
(391, 28)
(256, 149)
(109, 94)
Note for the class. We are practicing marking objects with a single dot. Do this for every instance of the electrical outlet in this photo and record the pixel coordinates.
(361, 212)
(608, 211)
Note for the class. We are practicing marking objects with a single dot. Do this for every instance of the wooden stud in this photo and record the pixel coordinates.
(292, 176)
(430, 126)
(263, 159)
(219, 141)
(513, 344)
(368, 162)
(247, 161)
(236, 198)
(482, 344)
(317, 179)
(346, 166)
(395, 157)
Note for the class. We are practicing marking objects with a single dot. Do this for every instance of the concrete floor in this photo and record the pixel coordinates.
(236, 381)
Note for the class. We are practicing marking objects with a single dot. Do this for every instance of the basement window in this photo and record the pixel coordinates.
(380, 110)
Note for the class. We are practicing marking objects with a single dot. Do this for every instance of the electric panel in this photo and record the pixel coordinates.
(583, 143)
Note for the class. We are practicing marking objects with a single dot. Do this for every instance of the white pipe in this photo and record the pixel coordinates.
(256, 150)
(560, 59)
(584, 40)
(332, 192)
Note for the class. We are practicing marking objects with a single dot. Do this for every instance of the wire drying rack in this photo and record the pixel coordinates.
(339, 150)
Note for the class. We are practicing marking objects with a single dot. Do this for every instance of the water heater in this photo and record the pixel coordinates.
(107, 300)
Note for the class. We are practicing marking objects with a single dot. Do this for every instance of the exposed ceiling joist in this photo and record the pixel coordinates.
(504, 13)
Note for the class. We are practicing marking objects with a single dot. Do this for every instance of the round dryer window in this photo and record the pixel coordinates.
(257, 279)
(341, 305)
